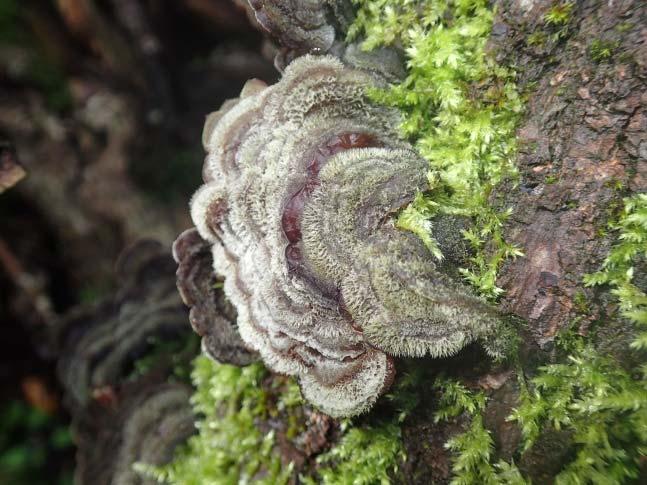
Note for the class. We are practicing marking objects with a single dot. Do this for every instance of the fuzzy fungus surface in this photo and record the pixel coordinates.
(303, 183)
(99, 344)
(304, 25)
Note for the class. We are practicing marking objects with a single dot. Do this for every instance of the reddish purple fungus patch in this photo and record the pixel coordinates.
(291, 219)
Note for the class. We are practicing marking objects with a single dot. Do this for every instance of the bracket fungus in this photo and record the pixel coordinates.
(303, 182)
(212, 315)
(304, 26)
(98, 344)
(148, 421)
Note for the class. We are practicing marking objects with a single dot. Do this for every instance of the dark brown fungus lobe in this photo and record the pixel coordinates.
(115, 361)
(319, 27)
(325, 287)
(211, 315)
(303, 26)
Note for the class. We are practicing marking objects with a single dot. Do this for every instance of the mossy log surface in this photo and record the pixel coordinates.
(581, 150)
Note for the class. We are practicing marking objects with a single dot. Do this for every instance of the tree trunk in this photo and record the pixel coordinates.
(582, 149)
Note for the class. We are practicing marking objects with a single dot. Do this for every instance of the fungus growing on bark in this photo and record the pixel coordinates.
(212, 316)
(319, 27)
(304, 180)
(147, 422)
(303, 26)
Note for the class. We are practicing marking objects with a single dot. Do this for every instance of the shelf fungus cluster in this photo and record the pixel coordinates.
(304, 180)
(115, 359)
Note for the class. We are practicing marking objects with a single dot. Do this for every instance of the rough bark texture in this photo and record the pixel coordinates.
(582, 149)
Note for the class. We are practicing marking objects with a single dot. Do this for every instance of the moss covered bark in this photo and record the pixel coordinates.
(531, 115)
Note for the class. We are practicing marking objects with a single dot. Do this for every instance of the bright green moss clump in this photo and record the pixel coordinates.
(364, 456)
(460, 109)
(229, 447)
(473, 449)
(603, 405)
(619, 268)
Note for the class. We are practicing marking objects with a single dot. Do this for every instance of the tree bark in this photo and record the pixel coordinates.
(582, 149)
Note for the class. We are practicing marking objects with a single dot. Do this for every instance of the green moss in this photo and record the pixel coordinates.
(580, 302)
(619, 266)
(559, 14)
(557, 20)
(176, 352)
(381, 442)
(602, 404)
(551, 179)
(460, 108)
(571, 204)
(473, 449)
(364, 456)
(537, 38)
(602, 50)
(623, 27)
(229, 447)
